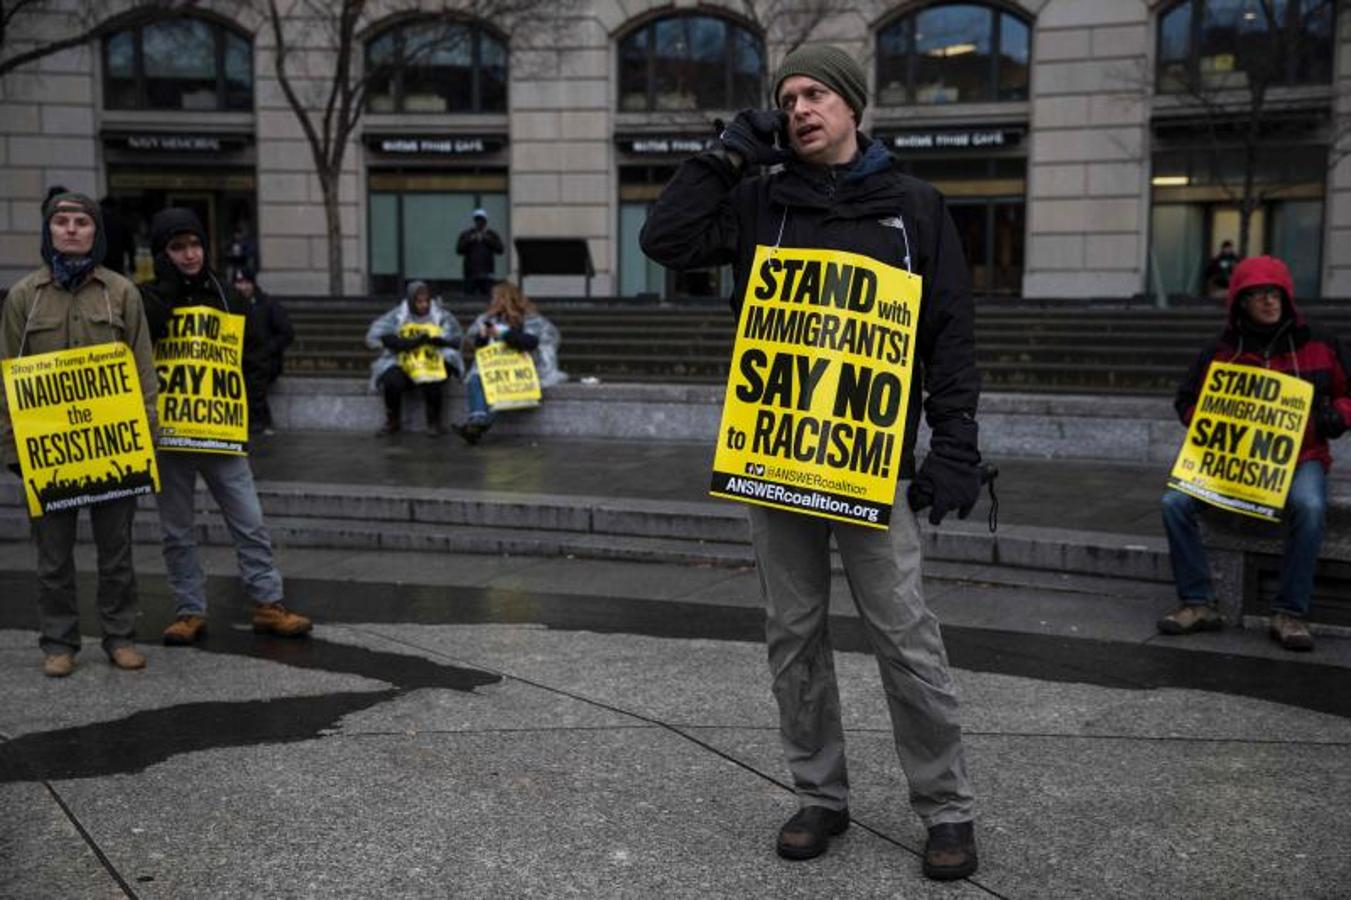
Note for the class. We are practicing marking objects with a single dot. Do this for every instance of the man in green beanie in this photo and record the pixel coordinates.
(838, 191)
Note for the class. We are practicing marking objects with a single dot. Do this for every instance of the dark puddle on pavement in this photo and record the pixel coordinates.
(145, 738)
(1129, 666)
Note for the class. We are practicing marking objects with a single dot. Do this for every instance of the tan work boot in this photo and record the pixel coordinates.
(273, 618)
(1290, 632)
(126, 657)
(186, 629)
(58, 665)
(1190, 618)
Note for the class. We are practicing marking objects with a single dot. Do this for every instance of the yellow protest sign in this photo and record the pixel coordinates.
(203, 405)
(813, 419)
(510, 380)
(423, 363)
(1243, 443)
(80, 427)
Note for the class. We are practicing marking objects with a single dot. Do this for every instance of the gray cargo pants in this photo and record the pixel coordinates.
(58, 609)
(792, 553)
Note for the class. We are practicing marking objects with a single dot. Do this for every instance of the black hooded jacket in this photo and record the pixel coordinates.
(710, 215)
(172, 289)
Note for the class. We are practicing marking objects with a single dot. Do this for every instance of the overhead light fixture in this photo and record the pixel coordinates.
(951, 50)
(1249, 16)
(1170, 181)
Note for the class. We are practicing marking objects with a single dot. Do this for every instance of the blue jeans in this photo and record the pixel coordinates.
(476, 401)
(1303, 526)
(230, 481)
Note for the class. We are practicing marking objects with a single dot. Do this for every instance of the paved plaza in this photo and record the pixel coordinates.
(500, 726)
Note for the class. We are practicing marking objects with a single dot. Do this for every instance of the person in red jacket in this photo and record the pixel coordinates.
(1266, 330)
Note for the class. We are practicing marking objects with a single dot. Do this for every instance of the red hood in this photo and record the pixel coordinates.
(1260, 270)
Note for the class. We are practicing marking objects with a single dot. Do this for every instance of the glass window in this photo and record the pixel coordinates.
(637, 273)
(182, 63)
(1014, 55)
(1297, 238)
(437, 67)
(893, 63)
(413, 232)
(689, 62)
(953, 53)
(1232, 44)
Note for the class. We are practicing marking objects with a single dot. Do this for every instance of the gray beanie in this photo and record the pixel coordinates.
(831, 66)
(414, 286)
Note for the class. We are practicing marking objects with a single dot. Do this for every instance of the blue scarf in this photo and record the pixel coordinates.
(71, 271)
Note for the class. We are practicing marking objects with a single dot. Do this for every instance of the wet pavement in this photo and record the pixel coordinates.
(490, 726)
(1090, 496)
(497, 726)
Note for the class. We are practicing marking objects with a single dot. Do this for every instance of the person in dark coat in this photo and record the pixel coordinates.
(1220, 269)
(478, 244)
(274, 327)
(1266, 330)
(839, 190)
(184, 278)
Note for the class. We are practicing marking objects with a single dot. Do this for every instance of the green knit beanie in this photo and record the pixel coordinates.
(831, 66)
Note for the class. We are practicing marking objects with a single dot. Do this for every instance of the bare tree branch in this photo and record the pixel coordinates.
(95, 21)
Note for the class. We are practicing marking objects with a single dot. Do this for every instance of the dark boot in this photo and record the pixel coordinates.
(950, 852)
(808, 833)
(470, 431)
(391, 425)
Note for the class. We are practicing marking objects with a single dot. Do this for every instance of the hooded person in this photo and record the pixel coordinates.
(1264, 329)
(74, 301)
(478, 244)
(184, 279)
(803, 177)
(419, 342)
(277, 334)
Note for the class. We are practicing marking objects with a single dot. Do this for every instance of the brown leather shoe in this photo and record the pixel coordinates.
(58, 665)
(1290, 632)
(126, 657)
(808, 832)
(273, 618)
(950, 852)
(1191, 618)
(186, 629)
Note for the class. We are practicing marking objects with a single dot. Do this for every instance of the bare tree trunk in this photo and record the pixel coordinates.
(1248, 200)
(328, 183)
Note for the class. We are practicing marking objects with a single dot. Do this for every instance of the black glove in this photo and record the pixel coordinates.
(945, 484)
(440, 341)
(751, 135)
(517, 339)
(401, 344)
(1328, 420)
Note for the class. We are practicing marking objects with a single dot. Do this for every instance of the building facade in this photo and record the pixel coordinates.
(1076, 140)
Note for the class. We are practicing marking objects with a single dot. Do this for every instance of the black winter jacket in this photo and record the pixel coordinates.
(709, 215)
(478, 249)
(171, 290)
(274, 324)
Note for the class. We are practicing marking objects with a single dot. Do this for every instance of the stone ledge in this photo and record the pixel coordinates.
(1122, 429)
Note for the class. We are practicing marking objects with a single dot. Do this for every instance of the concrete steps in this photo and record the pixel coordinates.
(702, 532)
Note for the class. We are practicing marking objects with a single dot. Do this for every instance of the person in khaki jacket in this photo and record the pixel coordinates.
(73, 301)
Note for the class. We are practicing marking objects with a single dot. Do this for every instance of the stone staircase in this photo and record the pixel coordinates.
(1056, 349)
(399, 519)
